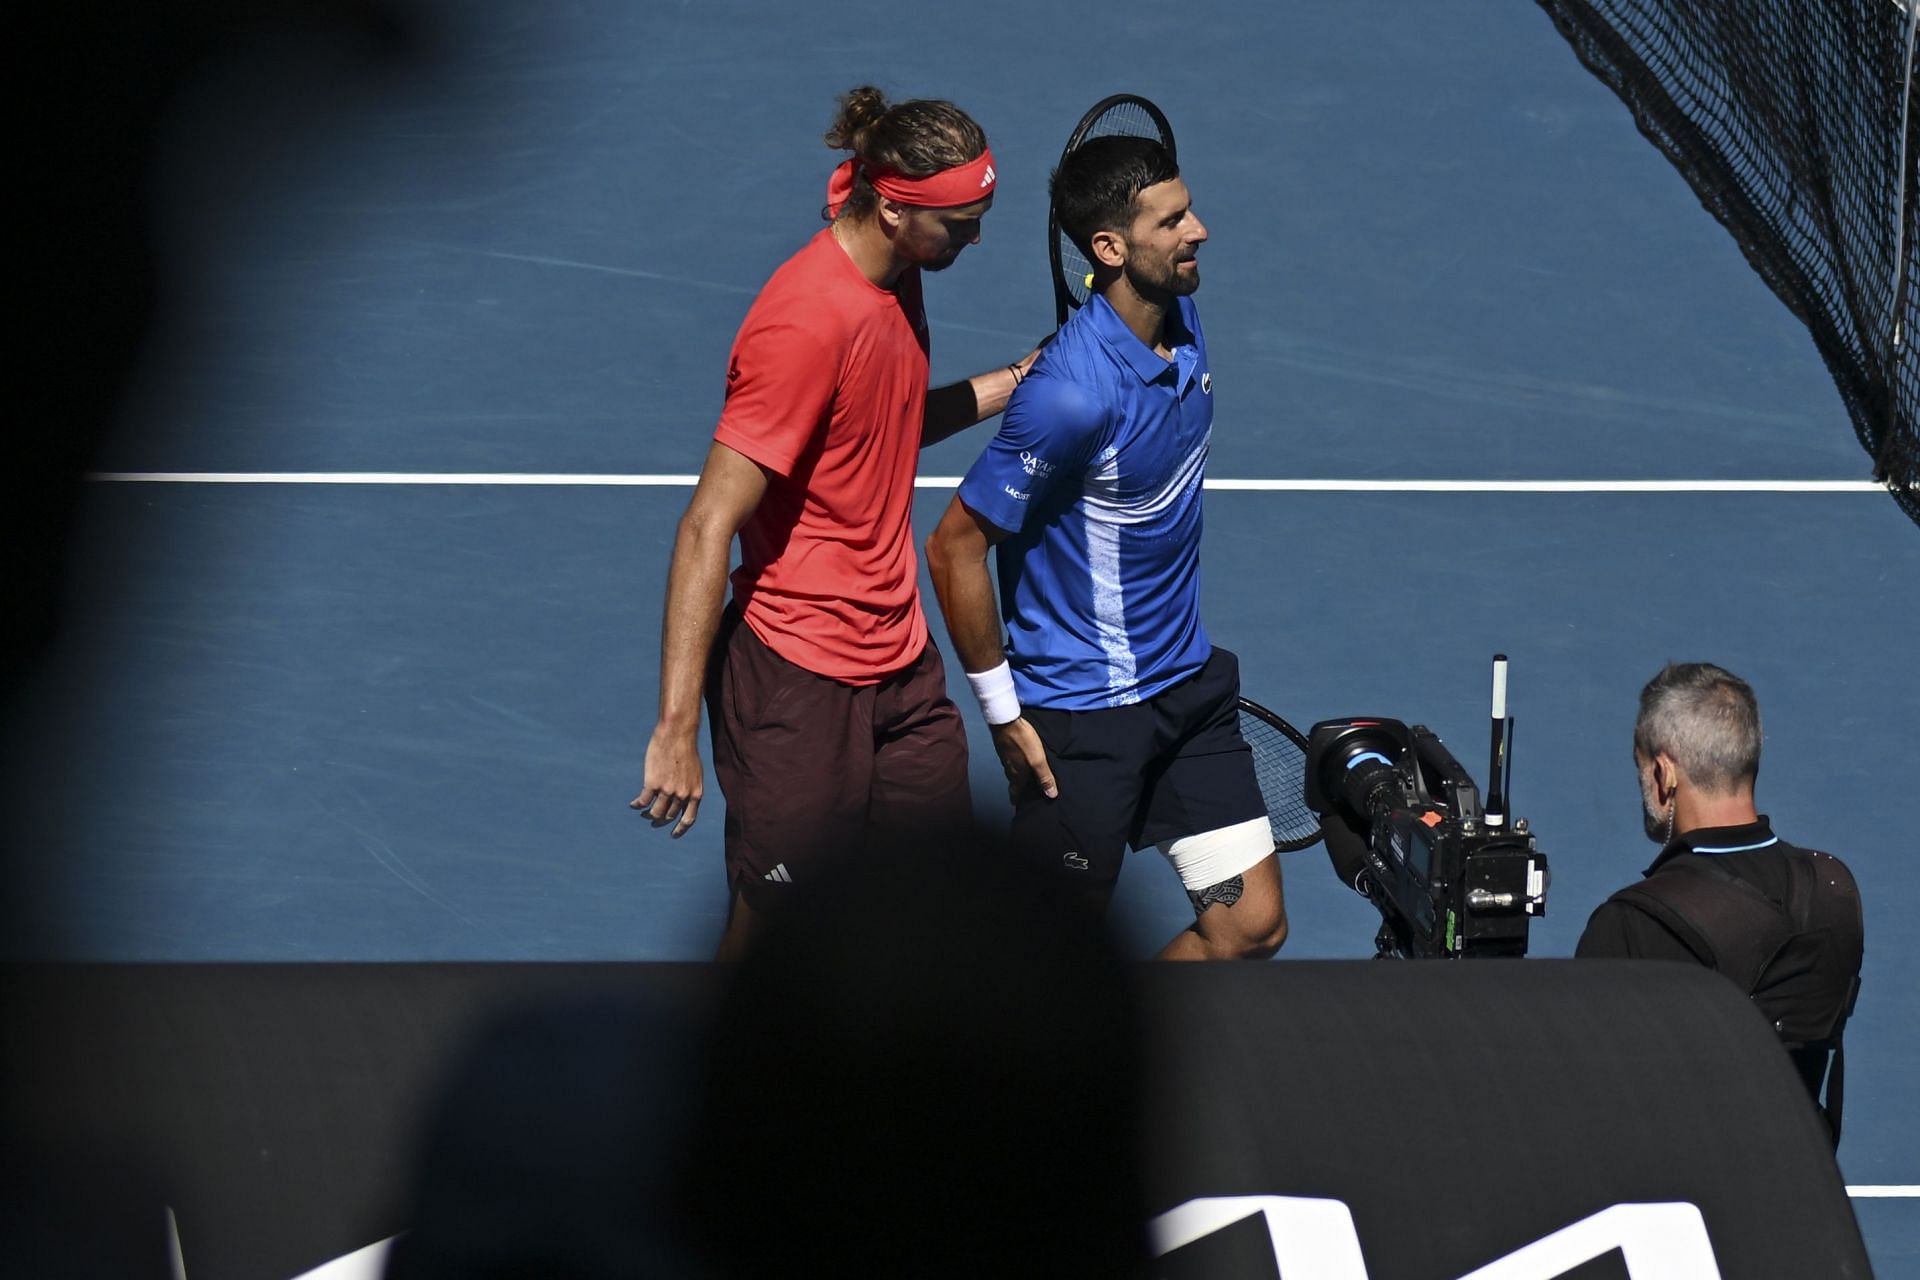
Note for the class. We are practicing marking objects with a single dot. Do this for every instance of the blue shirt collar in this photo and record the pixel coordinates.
(1135, 354)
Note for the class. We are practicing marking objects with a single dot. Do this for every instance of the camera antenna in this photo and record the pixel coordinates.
(1499, 767)
(1506, 784)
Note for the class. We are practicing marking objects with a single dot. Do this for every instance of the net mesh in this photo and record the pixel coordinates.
(1794, 124)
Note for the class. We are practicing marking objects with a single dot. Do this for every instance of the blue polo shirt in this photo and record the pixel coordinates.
(1095, 475)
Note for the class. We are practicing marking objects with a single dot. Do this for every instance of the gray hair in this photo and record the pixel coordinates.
(1707, 719)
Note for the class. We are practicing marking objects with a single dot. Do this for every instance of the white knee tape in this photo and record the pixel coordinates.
(1221, 854)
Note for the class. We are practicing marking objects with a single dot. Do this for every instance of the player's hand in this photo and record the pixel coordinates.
(1024, 365)
(674, 782)
(1024, 759)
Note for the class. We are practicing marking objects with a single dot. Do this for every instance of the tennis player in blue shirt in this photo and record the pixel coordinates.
(1112, 713)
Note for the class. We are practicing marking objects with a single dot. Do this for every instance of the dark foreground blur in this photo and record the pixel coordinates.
(925, 1067)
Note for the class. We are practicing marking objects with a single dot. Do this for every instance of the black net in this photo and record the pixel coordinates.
(1793, 121)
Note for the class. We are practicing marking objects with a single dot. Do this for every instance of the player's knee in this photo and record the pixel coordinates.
(1260, 934)
(1275, 936)
(1237, 924)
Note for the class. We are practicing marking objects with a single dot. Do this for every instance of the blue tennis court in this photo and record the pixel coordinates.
(364, 642)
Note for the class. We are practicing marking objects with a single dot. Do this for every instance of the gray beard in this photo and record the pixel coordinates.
(1659, 826)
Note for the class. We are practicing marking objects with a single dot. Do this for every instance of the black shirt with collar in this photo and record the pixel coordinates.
(1750, 852)
(1618, 930)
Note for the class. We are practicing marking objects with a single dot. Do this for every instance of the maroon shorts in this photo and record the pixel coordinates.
(809, 766)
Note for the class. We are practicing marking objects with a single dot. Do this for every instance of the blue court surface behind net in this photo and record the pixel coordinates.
(315, 717)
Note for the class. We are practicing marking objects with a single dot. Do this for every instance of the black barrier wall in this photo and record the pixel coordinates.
(1461, 1112)
(1380, 1121)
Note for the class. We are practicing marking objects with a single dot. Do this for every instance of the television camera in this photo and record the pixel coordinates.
(1406, 829)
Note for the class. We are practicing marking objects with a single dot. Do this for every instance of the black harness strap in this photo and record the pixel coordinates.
(1741, 933)
(1736, 933)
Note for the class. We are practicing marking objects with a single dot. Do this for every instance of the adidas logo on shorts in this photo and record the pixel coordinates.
(779, 875)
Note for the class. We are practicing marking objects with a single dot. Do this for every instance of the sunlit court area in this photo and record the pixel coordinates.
(377, 347)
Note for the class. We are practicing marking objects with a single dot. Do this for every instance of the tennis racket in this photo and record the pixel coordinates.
(1123, 113)
(1280, 764)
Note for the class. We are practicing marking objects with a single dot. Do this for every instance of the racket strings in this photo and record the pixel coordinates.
(1127, 119)
(1077, 270)
(1280, 768)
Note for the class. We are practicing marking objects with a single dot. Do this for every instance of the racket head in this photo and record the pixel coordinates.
(1127, 114)
(1280, 766)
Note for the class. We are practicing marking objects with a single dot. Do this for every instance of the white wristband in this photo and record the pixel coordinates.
(994, 691)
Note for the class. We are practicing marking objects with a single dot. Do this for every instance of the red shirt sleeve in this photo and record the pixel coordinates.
(780, 383)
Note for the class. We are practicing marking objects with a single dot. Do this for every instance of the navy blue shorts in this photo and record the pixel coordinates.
(1140, 775)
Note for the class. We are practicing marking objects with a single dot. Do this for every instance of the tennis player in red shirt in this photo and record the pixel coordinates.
(826, 697)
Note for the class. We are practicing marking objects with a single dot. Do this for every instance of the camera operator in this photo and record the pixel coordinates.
(1782, 922)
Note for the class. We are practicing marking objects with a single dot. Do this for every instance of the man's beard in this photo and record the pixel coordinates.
(1659, 826)
(1174, 281)
(1185, 283)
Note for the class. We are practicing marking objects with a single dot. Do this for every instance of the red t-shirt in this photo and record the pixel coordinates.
(826, 389)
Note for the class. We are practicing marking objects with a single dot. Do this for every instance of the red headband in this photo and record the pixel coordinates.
(962, 184)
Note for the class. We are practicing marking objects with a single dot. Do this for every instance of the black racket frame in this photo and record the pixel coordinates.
(1064, 302)
(1273, 720)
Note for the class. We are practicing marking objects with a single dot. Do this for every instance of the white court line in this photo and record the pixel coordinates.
(1884, 1193)
(386, 477)
(949, 482)
(369, 1263)
(1552, 486)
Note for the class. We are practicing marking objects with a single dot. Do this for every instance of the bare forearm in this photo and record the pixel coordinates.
(696, 586)
(965, 591)
(731, 486)
(957, 562)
